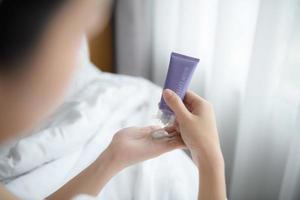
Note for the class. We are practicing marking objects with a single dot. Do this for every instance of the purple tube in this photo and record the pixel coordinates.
(180, 72)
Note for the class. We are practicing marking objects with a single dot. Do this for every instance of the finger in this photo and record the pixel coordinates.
(176, 104)
(176, 142)
(163, 134)
(173, 128)
(149, 129)
(170, 129)
(173, 134)
(176, 125)
(170, 143)
(194, 102)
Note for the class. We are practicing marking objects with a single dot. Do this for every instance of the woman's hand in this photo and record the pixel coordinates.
(195, 120)
(129, 146)
(136, 144)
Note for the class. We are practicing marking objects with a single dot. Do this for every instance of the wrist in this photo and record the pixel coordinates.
(211, 161)
(108, 162)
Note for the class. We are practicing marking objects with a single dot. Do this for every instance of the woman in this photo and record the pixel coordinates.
(39, 40)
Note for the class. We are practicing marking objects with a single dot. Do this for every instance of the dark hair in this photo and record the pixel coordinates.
(21, 24)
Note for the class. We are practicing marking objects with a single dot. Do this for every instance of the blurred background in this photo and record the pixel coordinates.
(249, 70)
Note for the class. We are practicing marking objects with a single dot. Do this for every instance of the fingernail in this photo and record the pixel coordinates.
(167, 93)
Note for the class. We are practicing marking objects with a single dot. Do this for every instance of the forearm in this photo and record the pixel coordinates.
(91, 180)
(212, 184)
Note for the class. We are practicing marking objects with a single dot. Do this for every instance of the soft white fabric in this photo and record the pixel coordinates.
(84, 197)
(249, 70)
(98, 106)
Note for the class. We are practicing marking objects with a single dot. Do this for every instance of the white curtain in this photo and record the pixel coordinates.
(249, 70)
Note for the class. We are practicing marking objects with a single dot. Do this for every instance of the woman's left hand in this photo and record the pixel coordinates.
(129, 146)
(135, 144)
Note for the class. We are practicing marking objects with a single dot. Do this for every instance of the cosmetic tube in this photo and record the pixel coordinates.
(180, 72)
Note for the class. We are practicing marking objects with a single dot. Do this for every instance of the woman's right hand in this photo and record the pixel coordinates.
(195, 120)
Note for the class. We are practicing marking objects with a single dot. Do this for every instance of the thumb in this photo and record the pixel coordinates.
(176, 104)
